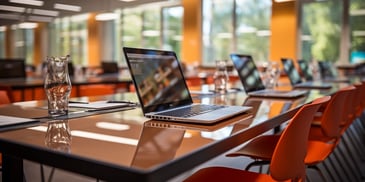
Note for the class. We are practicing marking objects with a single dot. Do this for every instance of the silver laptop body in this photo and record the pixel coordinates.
(162, 90)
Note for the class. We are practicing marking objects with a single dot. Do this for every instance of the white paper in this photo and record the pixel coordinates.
(10, 120)
(98, 105)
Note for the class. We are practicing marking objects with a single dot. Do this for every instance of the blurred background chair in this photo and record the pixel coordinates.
(109, 67)
(287, 160)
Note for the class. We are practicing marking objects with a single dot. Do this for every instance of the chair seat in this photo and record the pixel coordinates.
(317, 152)
(261, 148)
(219, 174)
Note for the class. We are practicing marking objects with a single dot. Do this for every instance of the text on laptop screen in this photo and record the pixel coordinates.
(248, 72)
(159, 81)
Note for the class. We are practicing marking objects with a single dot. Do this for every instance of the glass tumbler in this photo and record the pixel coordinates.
(221, 77)
(57, 85)
(58, 136)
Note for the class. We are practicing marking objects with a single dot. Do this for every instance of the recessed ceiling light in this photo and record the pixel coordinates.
(9, 16)
(27, 25)
(67, 7)
(12, 8)
(28, 2)
(40, 18)
(106, 16)
(45, 12)
(2, 28)
(281, 1)
(127, 0)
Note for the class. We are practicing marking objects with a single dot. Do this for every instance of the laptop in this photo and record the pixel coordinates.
(251, 80)
(295, 79)
(12, 68)
(162, 91)
(329, 72)
(305, 70)
(326, 70)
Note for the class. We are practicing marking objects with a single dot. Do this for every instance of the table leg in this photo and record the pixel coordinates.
(12, 169)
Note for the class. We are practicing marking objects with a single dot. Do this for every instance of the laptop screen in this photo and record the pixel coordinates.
(291, 71)
(248, 73)
(12, 68)
(158, 79)
(306, 71)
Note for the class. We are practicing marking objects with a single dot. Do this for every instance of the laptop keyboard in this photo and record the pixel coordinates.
(192, 110)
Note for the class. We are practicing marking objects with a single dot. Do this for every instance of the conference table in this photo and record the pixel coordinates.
(121, 144)
(32, 83)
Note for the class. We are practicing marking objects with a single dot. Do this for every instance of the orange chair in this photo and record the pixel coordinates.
(323, 137)
(4, 99)
(288, 155)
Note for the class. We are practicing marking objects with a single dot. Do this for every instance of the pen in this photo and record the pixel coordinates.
(120, 101)
(78, 102)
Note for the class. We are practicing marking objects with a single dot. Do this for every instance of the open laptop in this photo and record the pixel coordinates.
(296, 80)
(251, 80)
(163, 93)
(305, 70)
(329, 72)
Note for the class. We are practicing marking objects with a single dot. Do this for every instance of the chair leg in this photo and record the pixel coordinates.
(319, 171)
(256, 163)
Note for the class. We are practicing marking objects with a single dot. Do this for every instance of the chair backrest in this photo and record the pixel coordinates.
(336, 111)
(288, 158)
(4, 99)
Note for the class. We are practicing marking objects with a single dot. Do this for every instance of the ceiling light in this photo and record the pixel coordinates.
(45, 12)
(67, 7)
(40, 18)
(28, 2)
(281, 1)
(12, 8)
(27, 25)
(2, 28)
(9, 16)
(127, 0)
(106, 16)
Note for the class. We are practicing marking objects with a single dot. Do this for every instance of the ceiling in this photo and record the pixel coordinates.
(31, 12)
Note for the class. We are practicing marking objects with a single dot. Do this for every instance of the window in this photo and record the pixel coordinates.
(155, 27)
(69, 36)
(357, 27)
(2, 42)
(172, 28)
(321, 30)
(241, 26)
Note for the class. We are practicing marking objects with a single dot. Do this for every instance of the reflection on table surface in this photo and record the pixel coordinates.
(128, 140)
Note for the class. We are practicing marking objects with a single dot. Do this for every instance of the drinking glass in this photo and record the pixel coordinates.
(271, 75)
(58, 136)
(221, 77)
(57, 85)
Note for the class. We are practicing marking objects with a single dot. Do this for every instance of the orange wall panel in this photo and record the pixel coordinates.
(192, 31)
(283, 41)
(93, 41)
